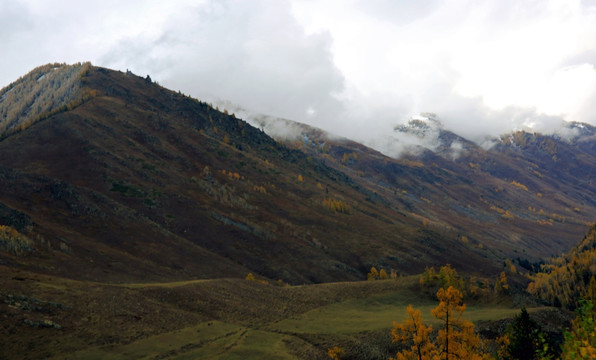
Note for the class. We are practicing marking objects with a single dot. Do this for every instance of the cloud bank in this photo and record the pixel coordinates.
(353, 67)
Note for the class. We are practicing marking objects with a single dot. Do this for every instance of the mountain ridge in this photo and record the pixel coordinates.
(545, 178)
(139, 182)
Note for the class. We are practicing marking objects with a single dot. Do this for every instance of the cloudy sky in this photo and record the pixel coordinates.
(354, 67)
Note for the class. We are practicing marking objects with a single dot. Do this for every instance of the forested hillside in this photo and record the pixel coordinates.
(41, 93)
(568, 278)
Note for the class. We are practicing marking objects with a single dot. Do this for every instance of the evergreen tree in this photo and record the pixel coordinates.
(527, 341)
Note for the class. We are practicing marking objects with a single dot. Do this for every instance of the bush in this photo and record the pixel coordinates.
(13, 242)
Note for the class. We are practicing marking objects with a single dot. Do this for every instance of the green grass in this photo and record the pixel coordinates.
(211, 340)
(377, 313)
(170, 344)
(363, 307)
(255, 344)
(353, 316)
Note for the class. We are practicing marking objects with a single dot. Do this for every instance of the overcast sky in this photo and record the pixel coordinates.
(356, 68)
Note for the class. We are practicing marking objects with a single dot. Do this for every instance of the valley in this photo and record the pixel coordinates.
(216, 319)
(138, 222)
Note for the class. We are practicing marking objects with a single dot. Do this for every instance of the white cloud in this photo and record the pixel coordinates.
(353, 67)
(253, 54)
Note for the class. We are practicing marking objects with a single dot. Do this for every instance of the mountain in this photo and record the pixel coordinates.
(131, 214)
(132, 182)
(525, 196)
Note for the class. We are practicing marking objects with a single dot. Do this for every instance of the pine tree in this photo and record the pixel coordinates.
(525, 339)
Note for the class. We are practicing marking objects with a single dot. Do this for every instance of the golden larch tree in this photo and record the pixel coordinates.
(413, 333)
(456, 338)
(335, 353)
(373, 274)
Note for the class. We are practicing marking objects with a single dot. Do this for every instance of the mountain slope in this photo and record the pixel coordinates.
(529, 196)
(138, 182)
(570, 277)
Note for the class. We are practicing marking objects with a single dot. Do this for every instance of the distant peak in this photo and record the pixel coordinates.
(422, 125)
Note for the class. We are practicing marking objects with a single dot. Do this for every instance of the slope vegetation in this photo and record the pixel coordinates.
(527, 197)
(44, 91)
(139, 183)
(569, 277)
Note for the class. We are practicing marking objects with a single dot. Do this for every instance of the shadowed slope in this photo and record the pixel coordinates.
(530, 196)
(139, 182)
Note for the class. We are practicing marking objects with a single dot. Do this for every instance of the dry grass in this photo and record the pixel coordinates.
(213, 319)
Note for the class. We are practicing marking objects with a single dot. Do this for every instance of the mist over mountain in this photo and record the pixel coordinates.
(133, 217)
(149, 183)
(137, 170)
(356, 69)
(521, 180)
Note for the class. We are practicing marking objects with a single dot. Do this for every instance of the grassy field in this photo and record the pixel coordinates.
(212, 319)
(211, 340)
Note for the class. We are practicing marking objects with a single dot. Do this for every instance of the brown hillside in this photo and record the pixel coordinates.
(530, 196)
(141, 183)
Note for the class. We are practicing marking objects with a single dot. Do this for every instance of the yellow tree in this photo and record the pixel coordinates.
(335, 353)
(456, 339)
(250, 277)
(373, 274)
(413, 333)
(501, 286)
(383, 275)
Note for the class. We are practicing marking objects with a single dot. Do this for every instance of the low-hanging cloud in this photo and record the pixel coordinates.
(352, 67)
(253, 54)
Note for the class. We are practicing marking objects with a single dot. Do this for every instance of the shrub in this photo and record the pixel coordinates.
(13, 242)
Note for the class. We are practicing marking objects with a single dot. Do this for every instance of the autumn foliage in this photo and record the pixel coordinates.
(455, 339)
(13, 242)
(45, 91)
(415, 335)
(446, 277)
(375, 274)
(567, 278)
(335, 353)
(336, 205)
(472, 287)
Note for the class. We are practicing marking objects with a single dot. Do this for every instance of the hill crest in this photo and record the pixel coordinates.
(137, 182)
